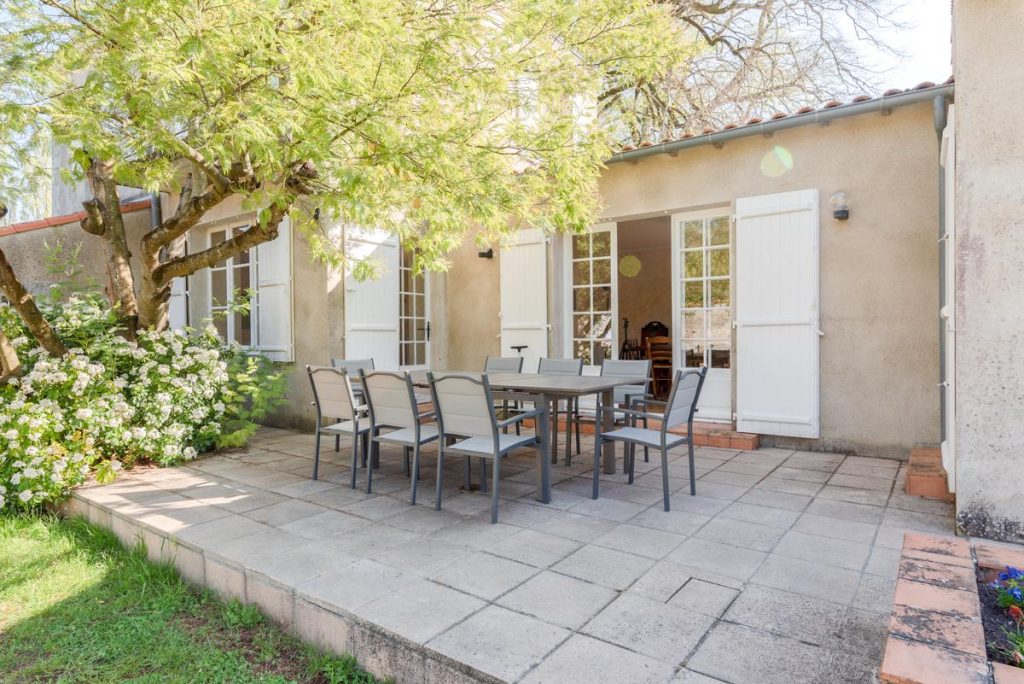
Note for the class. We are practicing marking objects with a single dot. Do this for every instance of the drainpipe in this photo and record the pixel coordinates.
(156, 212)
(939, 108)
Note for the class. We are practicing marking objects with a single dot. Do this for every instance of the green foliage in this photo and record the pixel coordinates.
(256, 388)
(424, 119)
(80, 608)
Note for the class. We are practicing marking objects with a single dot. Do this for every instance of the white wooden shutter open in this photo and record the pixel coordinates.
(777, 314)
(524, 297)
(372, 306)
(274, 295)
(177, 305)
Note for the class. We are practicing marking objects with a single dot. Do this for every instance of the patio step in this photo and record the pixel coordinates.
(925, 475)
(717, 435)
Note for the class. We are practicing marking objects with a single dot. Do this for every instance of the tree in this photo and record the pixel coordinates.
(756, 57)
(424, 118)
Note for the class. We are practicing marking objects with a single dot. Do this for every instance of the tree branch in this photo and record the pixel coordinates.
(25, 305)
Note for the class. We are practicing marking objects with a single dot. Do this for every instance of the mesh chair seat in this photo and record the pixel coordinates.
(407, 436)
(644, 437)
(484, 446)
(345, 427)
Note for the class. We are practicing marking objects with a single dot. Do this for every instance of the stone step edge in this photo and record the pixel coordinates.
(379, 651)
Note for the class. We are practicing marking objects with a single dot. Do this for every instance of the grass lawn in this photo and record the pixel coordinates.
(76, 606)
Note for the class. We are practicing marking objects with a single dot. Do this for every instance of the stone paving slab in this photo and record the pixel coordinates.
(781, 569)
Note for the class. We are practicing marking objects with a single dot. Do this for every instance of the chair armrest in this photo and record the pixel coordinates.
(632, 412)
(519, 417)
(427, 414)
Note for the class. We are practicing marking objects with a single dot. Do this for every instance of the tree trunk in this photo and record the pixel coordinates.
(9, 363)
(25, 305)
(105, 209)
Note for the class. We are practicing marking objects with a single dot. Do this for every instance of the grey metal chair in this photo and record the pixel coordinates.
(469, 427)
(572, 406)
(352, 367)
(624, 395)
(334, 399)
(505, 364)
(393, 406)
(679, 409)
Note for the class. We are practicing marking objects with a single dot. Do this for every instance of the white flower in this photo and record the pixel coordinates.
(11, 434)
(16, 479)
(115, 465)
(26, 495)
(83, 414)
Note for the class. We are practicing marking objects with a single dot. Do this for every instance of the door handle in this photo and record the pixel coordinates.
(426, 330)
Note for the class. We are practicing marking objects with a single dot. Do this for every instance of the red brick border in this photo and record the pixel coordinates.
(935, 631)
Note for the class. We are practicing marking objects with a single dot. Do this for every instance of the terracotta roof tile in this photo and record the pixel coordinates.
(754, 120)
(805, 110)
(831, 104)
(779, 115)
(892, 91)
(65, 219)
(861, 98)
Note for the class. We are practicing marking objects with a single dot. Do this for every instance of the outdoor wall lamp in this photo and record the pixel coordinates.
(840, 206)
(489, 254)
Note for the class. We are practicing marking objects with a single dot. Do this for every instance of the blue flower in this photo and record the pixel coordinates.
(1017, 594)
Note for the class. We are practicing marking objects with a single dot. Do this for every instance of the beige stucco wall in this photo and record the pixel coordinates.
(989, 67)
(28, 251)
(879, 269)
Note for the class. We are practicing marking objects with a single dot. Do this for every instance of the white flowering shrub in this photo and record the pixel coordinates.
(109, 402)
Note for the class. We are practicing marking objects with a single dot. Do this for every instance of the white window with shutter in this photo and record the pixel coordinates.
(263, 273)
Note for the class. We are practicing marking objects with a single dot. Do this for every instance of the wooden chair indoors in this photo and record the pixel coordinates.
(659, 351)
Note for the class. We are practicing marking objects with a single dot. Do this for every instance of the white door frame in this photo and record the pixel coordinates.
(610, 227)
(426, 315)
(723, 413)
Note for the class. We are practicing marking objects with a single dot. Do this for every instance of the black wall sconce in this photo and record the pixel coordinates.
(489, 254)
(840, 206)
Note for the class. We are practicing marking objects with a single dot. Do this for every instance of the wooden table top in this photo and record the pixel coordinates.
(535, 383)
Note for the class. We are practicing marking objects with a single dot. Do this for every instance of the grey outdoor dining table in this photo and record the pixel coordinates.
(543, 390)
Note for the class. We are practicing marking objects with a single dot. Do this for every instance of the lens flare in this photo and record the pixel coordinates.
(777, 162)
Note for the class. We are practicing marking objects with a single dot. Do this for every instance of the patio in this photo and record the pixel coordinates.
(781, 569)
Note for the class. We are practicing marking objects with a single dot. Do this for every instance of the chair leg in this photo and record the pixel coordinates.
(337, 443)
(664, 475)
(632, 462)
(576, 424)
(405, 464)
(440, 476)
(647, 456)
(355, 465)
(504, 415)
(467, 480)
(316, 455)
(415, 472)
(597, 445)
(483, 474)
(568, 431)
(494, 489)
(369, 468)
(597, 469)
(693, 475)
(519, 426)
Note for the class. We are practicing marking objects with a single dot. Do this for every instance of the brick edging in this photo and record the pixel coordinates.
(935, 630)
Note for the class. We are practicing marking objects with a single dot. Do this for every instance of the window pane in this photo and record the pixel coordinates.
(602, 271)
(693, 234)
(693, 353)
(580, 246)
(719, 234)
(720, 355)
(242, 279)
(404, 355)
(242, 258)
(718, 260)
(581, 326)
(721, 323)
(582, 350)
(693, 325)
(693, 294)
(243, 329)
(581, 273)
(219, 287)
(603, 298)
(694, 264)
(602, 244)
(581, 299)
(408, 329)
(720, 292)
(602, 326)
(421, 354)
(602, 351)
(221, 324)
(217, 237)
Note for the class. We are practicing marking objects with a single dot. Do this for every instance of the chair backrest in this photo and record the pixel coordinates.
(683, 398)
(332, 392)
(628, 369)
(560, 367)
(503, 364)
(652, 329)
(464, 405)
(390, 398)
(353, 366)
(659, 350)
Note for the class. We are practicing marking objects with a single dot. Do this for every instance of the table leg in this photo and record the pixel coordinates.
(554, 431)
(544, 454)
(607, 425)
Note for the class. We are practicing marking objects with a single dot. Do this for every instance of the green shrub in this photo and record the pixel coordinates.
(110, 402)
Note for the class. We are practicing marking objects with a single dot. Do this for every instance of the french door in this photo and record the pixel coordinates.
(593, 295)
(702, 299)
(414, 316)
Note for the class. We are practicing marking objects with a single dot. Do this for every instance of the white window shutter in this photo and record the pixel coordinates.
(177, 305)
(523, 283)
(372, 306)
(274, 295)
